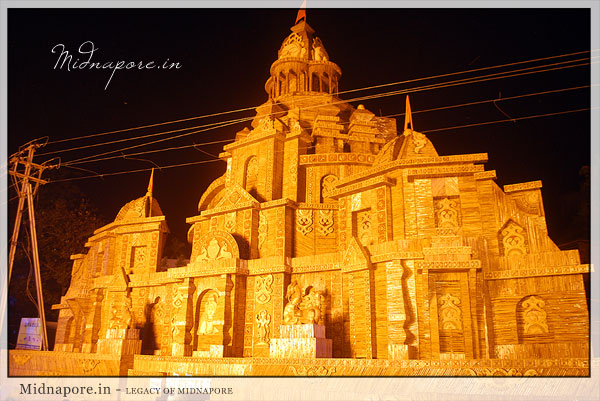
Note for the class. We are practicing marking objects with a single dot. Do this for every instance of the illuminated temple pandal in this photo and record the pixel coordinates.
(331, 246)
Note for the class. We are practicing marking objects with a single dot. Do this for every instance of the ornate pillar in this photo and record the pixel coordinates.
(396, 311)
(182, 320)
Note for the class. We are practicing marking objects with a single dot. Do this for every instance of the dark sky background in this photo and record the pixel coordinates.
(226, 54)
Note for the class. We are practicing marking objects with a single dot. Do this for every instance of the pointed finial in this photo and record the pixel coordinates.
(301, 12)
(408, 115)
(150, 184)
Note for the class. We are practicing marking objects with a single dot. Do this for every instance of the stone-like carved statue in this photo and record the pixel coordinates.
(303, 309)
(114, 318)
(319, 52)
(206, 320)
(127, 317)
(123, 318)
(263, 319)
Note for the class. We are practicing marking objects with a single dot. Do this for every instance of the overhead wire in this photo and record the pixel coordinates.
(463, 81)
(387, 116)
(336, 93)
(428, 131)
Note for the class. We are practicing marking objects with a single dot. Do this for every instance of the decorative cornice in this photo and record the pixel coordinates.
(337, 158)
(443, 171)
(448, 264)
(395, 256)
(544, 271)
(522, 186)
(485, 175)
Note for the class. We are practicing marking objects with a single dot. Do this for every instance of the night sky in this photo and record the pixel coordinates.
(225, 56)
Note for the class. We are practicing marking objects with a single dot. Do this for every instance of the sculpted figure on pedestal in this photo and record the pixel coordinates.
(302, 309)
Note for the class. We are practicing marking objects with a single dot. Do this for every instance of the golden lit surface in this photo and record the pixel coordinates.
(331, 246)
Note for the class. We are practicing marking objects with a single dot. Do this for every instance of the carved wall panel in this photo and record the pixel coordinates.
(513, 239)
(447, 212)
(532, 323)
(328, 184)
(363, 226)
(304, 220)
(326, 222)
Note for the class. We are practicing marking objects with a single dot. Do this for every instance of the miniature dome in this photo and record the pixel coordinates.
(410, 144)
(302, 66)
(139, 208)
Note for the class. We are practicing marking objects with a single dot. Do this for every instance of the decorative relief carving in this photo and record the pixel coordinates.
(303, 309)
(326, 222)
(528, 202)
(448, 264)
(262, 229)
(295, 127)
(88, 365)
(138, 257)
(304, 220)
(446, 212)
(419, 141)
(337, 158)
(328, 184)
(20, 359)
(523, 186)
(206, 324)
(263, 288)
(263, 320)
(443, 171)
(449, 312)
(214, 251)
(312, 370)
(513, 240)
(293, 47)
(550, 271)
(364, 227)
(230, 222)
(534, 316)
(267, 124)
(217, 245)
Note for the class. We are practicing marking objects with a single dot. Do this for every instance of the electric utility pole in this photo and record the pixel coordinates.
(24, 171)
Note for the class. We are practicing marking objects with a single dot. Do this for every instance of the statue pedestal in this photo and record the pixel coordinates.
(121, 342)
(301, 341)
(214, 351)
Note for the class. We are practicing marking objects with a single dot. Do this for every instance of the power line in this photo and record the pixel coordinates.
(511, 119)
(389, 115)
(336, 94)
(428, 131)
(464, 81)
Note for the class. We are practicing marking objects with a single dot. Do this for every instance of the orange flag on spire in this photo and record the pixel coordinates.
(408, 115)
(150, 183)
(149, 191)
(301, 12)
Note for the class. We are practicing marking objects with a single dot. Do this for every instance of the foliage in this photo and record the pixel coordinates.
(65, 219)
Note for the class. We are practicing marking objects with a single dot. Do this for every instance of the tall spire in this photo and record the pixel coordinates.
(408, 115)
(150, 184)
(301, 12)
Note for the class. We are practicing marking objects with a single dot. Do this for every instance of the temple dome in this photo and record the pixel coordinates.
(302, 65)
(139, 208)
(410, 144)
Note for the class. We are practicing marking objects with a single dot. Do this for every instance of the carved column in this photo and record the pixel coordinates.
(182, 319)
(396, 311)
(262, 316)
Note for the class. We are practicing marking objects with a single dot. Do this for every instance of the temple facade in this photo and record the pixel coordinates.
(334, 244)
